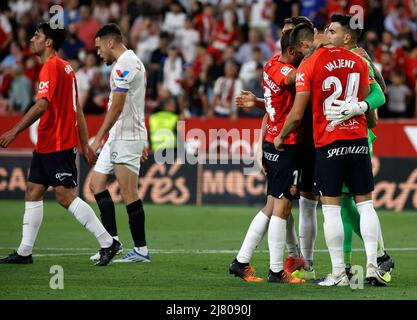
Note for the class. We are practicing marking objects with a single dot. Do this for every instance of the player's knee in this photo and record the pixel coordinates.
(32, 193)
(64, 198)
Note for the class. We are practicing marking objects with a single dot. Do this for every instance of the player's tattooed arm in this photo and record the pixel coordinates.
(111, 117)
(34, 113)
(294, 118)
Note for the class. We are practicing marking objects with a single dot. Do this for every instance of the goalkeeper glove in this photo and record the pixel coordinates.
(341, 111)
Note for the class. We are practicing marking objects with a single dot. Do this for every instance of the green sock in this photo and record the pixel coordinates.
(347, 229)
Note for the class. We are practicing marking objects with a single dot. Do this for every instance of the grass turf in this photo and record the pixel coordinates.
(191, 248)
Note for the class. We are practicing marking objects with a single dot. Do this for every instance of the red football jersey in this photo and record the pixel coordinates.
(279, 98)
(58, 125)
(330, 74)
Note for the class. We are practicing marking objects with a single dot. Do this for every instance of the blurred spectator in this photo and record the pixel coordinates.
(71, 12)
(205, 23)
(226, 32)
(20, 95)
(187, 39)
(174, 18)
(248, 69)
(106, 11)
(84, 76)
(5, 33)
(13, 57)
(261, 14)
(255, 86)
(397, 22)
(193, 100)
(284, 9)
(155, 69)
(315, 11)
(148, 41)
(226, 89)
(20, 7)
(255, 40)
(72, 44)
(399, 96)
(97, 95)
(87, 28)
(172, 71)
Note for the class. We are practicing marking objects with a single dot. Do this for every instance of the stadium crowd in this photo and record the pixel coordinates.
(199, 54)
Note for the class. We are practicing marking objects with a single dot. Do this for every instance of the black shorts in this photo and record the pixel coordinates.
(344, 161)
(54, 169)
(282, 171)
(307, 164)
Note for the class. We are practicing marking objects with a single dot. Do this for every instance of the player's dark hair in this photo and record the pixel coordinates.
(301, 32)
(285, 41)
(298, 20)
(110, 30)
(57, 35)
(344, 20)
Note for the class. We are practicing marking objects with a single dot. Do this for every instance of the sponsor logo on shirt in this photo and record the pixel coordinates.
(43, 86)
(286, 70)
(341, 151)
(122, 74)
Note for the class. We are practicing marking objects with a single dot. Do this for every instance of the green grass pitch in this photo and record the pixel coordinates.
(191, 248)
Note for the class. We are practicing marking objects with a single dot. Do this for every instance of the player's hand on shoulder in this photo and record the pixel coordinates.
(7, 137)
(362, 53)
(245, 100)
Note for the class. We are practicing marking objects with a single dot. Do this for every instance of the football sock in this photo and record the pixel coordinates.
(137, 222)
(381, 247)
(369, 230)
(142, 250)
(86, 216)
(350, 213)
(333, 233)
(107, 211)
(347, 228)
(292, 241)
(276, 242)
(307, 227)
(32, 220)
(253, 236)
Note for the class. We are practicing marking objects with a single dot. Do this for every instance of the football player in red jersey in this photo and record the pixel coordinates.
(342, 152)
(300, 254)
(282, 169)
(61, 125)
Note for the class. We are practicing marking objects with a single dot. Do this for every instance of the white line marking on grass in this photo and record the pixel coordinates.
(89, 251)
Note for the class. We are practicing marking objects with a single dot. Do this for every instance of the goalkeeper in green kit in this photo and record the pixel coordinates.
(341, 33)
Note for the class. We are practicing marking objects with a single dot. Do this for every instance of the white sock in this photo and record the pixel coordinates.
(86, 216)
(292, 241)
(381, 247)
(32, 220)
(334, 234)
(276, 242)
(254, 235)
(369, 230)
(307, 227)
(142, 250)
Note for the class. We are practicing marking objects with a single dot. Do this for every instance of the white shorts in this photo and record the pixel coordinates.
(124, 152)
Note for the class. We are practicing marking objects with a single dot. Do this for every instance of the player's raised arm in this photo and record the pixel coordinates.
(34, 113)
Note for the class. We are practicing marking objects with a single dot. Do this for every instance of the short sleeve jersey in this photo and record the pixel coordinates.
(57, 128)
(279, 98)
(330, 74)
(128, 75)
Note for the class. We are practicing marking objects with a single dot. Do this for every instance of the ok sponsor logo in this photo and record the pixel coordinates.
(299, 77)
(44, 85)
